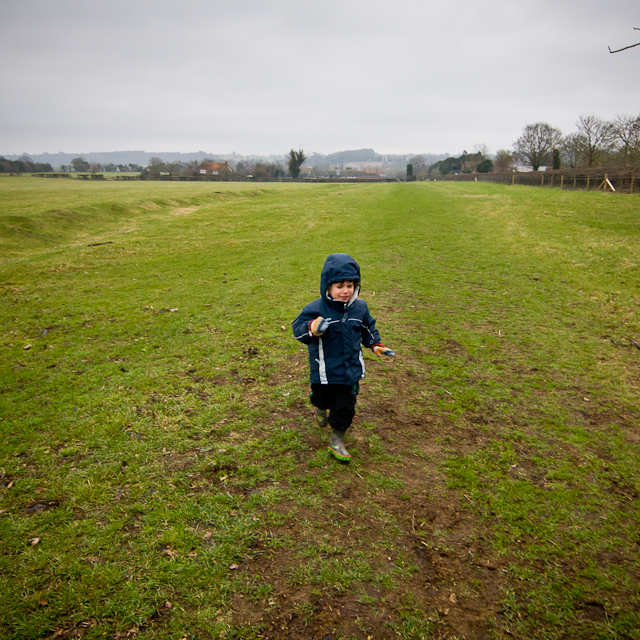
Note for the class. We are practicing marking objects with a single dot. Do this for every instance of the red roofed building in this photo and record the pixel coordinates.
(213, 168)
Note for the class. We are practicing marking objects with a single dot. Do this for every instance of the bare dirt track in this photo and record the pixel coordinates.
(448, 579)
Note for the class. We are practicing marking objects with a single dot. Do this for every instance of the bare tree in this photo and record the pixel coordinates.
(536, 144)
(157, 164)
(420, 168)
(571, 150)
(626, 131)
(625, 48)
(503, 161)
(596, 139)
(268, 170)
(176, 167)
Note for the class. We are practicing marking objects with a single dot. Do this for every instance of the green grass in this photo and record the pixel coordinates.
(160, 473)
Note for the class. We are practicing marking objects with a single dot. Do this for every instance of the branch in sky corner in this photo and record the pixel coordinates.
(624, 48)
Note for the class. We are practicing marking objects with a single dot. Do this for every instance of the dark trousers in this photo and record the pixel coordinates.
(340, 399)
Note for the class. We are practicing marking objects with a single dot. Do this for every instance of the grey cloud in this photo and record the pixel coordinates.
(261, 77)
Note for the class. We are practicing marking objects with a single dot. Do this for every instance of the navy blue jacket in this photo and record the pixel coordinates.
(335, 357)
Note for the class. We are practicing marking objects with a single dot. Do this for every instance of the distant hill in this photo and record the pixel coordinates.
(369, 155)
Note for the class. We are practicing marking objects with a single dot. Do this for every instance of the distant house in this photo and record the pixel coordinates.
(526, 168)
(213, 169)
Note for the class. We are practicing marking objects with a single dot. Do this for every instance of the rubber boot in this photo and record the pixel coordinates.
(321, 416)
(336, 446)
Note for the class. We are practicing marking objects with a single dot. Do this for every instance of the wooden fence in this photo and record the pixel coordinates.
(618, 180)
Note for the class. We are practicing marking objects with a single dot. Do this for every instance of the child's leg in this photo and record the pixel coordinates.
(343, 406)
(321, 399)
(321, 396)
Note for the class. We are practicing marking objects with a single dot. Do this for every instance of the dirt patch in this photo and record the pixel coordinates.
(426, 571)
(419, 555)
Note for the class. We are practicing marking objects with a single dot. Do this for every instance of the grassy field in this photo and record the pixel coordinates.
(160, 473)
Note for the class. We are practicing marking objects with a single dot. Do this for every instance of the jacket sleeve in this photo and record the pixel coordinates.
(300, 325)
(370, 335)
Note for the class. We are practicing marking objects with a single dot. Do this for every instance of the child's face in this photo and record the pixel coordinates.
(341, 290)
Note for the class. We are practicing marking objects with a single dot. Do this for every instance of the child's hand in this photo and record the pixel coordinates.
(318, 326)
(381, 350)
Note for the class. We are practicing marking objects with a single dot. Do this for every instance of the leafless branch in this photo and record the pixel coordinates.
(625, 48)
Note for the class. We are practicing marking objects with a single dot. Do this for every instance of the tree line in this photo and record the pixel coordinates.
(80, 165)
(23, 164)
(243, 169)
(595, 143)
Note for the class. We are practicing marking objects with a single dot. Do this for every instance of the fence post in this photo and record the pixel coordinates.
(552, 180)
(513, 178)
(588, 180)
(561, 181)
(631, 187)
(542, 180)
(606, 183)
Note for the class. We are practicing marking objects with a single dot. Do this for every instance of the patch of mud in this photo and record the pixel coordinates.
(425, 556)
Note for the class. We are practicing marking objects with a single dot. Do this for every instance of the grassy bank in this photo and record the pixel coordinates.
(162, 478)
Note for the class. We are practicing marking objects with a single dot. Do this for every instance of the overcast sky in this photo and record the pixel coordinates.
(261, 77)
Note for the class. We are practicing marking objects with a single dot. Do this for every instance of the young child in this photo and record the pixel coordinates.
(334, 327)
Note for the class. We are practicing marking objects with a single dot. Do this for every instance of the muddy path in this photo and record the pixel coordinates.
(425, 556)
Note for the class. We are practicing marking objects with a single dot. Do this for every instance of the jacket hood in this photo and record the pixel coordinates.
(338, 267)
